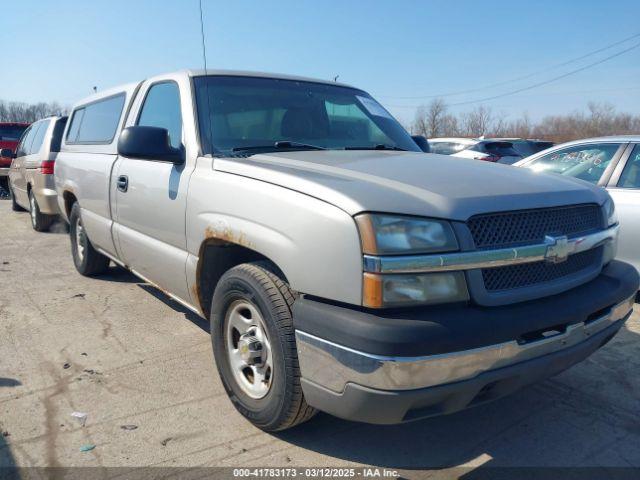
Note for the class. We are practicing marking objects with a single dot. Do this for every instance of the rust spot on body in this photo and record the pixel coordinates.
(226, 234)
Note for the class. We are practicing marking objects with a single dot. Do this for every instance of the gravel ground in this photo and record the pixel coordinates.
(126, 355)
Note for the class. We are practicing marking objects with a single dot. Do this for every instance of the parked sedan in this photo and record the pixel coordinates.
(31, 174)
(489, 150)
(612, 163)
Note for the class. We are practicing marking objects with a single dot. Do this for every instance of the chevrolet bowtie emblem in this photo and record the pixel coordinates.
(558, 249)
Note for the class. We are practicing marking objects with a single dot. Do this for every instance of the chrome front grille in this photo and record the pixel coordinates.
(523, 227)
(528, 274)
(506, 229)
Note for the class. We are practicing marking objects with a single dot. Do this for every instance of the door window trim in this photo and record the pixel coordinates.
(144, 100)
(606, 175)
(622, 163)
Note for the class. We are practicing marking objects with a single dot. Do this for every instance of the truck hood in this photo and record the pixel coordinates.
(411, 183)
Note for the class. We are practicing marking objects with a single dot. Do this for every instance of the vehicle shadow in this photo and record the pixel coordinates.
(9, 382)
(59, 226)
(194, 318)
(583, 417)
(8, 466)
(118, 274)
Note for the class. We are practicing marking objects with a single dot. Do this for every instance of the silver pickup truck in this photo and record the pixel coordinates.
(341, 268)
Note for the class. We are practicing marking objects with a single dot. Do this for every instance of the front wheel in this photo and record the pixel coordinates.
(87, 259)
(255, 349)
(39, 221)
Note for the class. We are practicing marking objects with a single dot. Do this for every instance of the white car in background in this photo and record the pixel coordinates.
(489, 150)
(610, 162)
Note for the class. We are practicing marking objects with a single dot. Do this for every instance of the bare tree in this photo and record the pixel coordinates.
(29, 113)
(433, 120)
(599, 119)
(477, 122)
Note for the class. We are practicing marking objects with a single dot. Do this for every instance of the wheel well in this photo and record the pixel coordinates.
(216, 258)
(69, 200)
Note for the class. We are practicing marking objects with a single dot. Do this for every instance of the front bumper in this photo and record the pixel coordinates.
(4, 171)
(391, 387)
(364, 404)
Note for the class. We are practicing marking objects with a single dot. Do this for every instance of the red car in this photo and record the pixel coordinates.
(10, 133)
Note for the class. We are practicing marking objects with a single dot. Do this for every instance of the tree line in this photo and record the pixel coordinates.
(29, 112)
(435, 120)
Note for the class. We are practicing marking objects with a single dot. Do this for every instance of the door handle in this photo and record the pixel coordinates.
(123, 183)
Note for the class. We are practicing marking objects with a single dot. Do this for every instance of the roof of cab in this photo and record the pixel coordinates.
(129, 88)
(242, 73)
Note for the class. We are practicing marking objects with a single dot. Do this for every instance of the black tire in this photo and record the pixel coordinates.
(14, 205)
(284, 405)
(89, 262)
(39, 221)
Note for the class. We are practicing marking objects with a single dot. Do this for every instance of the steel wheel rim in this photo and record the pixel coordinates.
(244, 327)
(80, 240)
(32, 209)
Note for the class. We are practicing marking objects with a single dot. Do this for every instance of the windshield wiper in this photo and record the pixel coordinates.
(380, 146)
(281, 144)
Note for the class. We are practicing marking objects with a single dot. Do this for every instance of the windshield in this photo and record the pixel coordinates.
(11, 133)
(253, 115)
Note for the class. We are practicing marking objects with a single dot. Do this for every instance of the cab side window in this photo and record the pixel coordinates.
(96, 123)
(586, 162)
(630, 177)
(161, 109)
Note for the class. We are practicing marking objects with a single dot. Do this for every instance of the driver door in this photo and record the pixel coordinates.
(151, 195)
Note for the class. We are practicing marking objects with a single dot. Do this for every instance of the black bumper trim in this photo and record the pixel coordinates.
(368, 405)
(452, 328)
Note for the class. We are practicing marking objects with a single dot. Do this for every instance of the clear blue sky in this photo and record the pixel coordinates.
(58, 50)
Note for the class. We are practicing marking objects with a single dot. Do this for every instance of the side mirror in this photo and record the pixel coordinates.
(421, 142)
(148, 143)
(7, 153)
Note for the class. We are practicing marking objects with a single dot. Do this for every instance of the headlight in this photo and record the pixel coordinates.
(416, 289)
(383, 234)
(610, 212)
(393, 234)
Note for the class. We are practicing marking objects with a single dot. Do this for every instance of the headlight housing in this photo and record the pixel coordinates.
(385, 234)
(400, 290)
(382, 234)
(610, 212)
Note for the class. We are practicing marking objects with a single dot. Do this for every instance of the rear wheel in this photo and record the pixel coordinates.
(255, 349)
(87, 259)
(39, 221)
